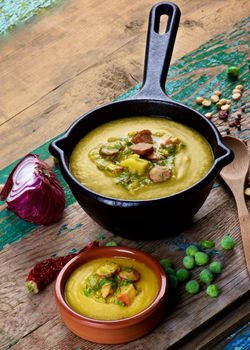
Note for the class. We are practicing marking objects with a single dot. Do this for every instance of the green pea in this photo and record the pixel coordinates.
(173, 282)
(111, 244)
(233, 72)
(170, 271)
(182, 274)
(215, 267)
(188, 262)
(191, 250)
(192, 287)
(201, 258)
(206, 276)
(166, 263)
(207, 244)
(213, 291)
(227, 242)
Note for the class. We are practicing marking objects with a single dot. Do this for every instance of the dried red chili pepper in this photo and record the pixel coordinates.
(46, 271)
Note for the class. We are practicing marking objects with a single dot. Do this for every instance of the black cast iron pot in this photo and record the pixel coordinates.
(160, 217)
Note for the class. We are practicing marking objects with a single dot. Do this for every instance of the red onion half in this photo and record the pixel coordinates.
(33, 192)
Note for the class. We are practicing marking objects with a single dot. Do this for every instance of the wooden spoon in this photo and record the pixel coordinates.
(234, 175)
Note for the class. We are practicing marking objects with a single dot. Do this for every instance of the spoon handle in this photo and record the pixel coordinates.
(244, 219)
(245, 234)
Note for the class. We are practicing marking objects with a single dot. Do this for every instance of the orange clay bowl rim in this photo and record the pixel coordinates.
(117, 252)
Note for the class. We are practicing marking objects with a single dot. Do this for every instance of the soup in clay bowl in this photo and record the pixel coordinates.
(111, 295)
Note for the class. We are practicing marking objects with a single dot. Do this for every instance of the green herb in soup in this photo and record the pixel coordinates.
(140, 158)
(112, 284)
(111, 288)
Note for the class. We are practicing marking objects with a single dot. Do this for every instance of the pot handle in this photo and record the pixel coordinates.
(159, 50)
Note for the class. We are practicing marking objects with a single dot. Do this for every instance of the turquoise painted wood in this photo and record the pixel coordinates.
(239, 340)
(15, 12)
(198, 73)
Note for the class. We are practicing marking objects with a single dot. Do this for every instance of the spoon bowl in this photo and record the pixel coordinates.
(237, 169)
(234, 175)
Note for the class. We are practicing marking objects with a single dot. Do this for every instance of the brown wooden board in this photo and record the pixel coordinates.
(32, 322)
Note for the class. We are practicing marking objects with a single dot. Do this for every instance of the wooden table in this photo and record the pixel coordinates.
(56, 67)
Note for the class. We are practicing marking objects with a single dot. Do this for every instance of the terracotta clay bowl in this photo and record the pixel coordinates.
(117, 331)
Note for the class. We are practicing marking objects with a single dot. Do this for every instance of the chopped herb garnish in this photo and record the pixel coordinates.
(123, 158)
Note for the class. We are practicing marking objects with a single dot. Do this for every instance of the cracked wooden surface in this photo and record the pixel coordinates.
(54, 69)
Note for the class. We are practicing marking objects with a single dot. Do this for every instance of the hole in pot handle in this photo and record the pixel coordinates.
(159, 50)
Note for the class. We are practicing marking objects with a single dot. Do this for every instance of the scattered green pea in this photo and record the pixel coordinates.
(182, 274)
(213, 291)
(166, 263)
(233, 71)
(201, 258)
(206, 276)
(191, 250)
(170, 271)
(215, 266)
(192, 287)
(227, 243)
(173, 282)
(188, 262)
(207, 244)
(111, 244)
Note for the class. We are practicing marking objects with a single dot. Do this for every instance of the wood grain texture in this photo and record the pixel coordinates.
(200, 72)
(83, 54)
(215, 335)
(34, 320)
(70, 76)
(234, 176)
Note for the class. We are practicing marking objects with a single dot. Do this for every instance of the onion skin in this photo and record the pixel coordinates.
(46, 271)
(33, 192)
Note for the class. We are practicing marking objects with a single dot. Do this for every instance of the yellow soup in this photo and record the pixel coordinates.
(110, 161)
(146, 287)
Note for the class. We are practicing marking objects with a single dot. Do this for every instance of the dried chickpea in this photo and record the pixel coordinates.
(228, 102)
(209, 115)
(206, 103)
(247, 191)
(225, 107)
(223, 101)
(214, 98)
(199, 100)
(217, 92)
(236, 91)
(236, 97)
(239, 87)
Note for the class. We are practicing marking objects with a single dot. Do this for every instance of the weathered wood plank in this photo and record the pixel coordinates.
(198, 81)
(32, 313)
(61, 65)
(59, 94)
(218, 329)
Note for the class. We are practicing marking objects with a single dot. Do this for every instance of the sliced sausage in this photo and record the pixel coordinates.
(142, 148)
(153, 157)
(160, 174)
(143, 136)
